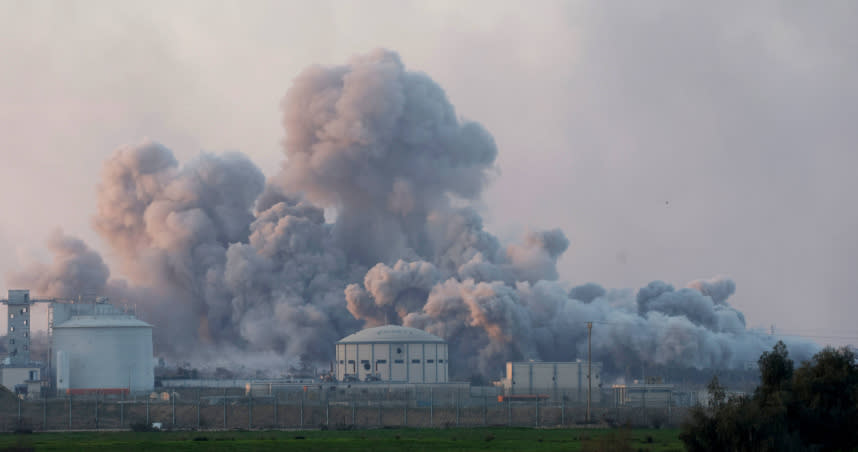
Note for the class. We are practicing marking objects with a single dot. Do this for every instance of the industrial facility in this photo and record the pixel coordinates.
(94, 347)
(568, 380)
(392, 353)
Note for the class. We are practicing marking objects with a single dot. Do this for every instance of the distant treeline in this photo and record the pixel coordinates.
(812, 408)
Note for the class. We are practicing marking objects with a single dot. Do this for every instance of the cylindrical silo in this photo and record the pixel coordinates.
(104, 352)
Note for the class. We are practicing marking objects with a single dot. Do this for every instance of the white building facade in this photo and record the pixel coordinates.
(392, 353)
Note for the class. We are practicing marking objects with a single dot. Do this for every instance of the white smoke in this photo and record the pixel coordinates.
(226, 263)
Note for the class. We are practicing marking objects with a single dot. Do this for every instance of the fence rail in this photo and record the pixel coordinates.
(221, 409)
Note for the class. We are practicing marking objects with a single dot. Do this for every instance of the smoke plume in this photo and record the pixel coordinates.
(225, 263)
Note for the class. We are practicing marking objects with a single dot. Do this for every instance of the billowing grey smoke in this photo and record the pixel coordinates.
(228, 265)
(76, 270)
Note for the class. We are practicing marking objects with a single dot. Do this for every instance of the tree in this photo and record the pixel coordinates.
(826, 392)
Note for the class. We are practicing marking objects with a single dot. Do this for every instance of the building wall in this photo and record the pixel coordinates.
(395, 362)
(11, 376)
(104, 357)
(18, 327)
(552, 378)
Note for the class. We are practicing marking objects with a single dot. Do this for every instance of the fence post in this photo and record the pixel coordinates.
(148, 422)
(122, 411)
(380, 403)
(431, 408)
(44, 413)
(275, 411)
(354, 409)
(327, 411)
(198, 408)
(485, 409)
(19, 411)
(405, 423)
(70, 410)
(457, 406)
(302, 410)
(224, 408)
(96, 411)
(537, 410)
(563, 409)
(173, 407)
(508, 412)
(250, 412)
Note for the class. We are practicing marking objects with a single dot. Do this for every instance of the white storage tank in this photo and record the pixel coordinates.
(104, 352)
(392, 353)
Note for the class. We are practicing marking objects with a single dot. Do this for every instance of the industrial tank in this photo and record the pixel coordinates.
(392, 353)
(98, 352)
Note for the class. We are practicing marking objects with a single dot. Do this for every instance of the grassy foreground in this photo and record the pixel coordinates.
(458, 439)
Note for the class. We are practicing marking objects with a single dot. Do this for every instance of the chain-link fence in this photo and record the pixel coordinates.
(415, 406)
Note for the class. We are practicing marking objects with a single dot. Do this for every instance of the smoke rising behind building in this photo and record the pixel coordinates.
(230, 266)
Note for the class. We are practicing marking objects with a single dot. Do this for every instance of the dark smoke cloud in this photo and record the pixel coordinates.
(232, 267)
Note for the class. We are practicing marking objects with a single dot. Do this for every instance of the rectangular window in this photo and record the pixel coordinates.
(440, 361)
(364, 361)
(381, 361)
(415, 361)
(351, 361)
(430, 361)
(342, 362)
(23, 310)
(398, 361)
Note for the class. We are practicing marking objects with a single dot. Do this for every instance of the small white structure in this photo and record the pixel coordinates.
(556, 379)
(106, 350)
(392, 353)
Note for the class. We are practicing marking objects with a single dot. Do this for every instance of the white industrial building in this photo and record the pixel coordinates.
(98, 347)
(392, 353)
(555, 379)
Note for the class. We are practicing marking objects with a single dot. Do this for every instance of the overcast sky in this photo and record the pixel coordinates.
(669, 140)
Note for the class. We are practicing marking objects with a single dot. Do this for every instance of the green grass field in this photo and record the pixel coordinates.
(502, 439)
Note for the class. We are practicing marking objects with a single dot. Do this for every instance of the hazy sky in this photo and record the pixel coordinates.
(670, 140)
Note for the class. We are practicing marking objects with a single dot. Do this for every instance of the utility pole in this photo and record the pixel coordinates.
(589, 368)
